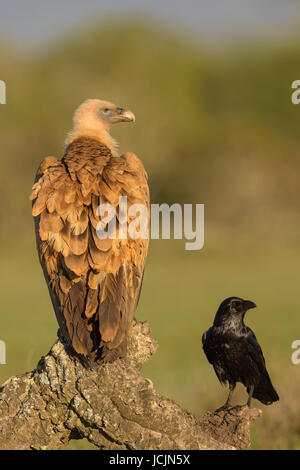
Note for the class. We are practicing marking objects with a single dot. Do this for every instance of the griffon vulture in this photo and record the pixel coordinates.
(94, 283)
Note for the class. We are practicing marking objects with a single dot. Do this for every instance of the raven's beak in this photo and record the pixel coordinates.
(124, 115)
(247, 304)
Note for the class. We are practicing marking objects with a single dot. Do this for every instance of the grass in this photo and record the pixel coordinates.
(181, 293)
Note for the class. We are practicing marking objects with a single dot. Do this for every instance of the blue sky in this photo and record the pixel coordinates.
(34, 22)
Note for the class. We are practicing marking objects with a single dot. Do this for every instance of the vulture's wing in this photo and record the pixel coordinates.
(94, 283)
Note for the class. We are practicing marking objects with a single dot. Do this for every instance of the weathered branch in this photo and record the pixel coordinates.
(113, 406)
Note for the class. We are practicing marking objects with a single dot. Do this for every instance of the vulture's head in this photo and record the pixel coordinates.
(95, 117)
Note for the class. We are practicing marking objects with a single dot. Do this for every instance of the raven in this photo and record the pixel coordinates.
(232, 348)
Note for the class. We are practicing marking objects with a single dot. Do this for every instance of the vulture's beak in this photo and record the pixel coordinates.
(124, 115)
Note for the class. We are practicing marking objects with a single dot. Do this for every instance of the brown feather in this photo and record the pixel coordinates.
(94, 284)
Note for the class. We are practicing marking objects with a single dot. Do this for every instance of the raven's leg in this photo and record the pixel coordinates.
(227, 404)
(251, 389)
(231, 388)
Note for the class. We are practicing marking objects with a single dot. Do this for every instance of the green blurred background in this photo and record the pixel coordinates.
(214, 125)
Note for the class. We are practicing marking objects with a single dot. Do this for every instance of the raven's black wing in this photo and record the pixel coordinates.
(264, 390)
(255, 351)
(210, 348)
(206, 339)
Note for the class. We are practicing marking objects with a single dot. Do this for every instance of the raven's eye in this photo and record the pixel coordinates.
(236, 304)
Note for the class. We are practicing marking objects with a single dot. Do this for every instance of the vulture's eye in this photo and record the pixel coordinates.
(105, 113)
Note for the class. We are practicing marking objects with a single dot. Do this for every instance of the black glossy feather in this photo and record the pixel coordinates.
(233, 350)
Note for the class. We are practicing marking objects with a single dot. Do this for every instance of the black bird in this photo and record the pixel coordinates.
(232, 348)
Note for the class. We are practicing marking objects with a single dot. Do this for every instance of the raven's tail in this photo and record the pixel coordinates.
(264, 390)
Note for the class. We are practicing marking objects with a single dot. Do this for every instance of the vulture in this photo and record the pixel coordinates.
(94, 282)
